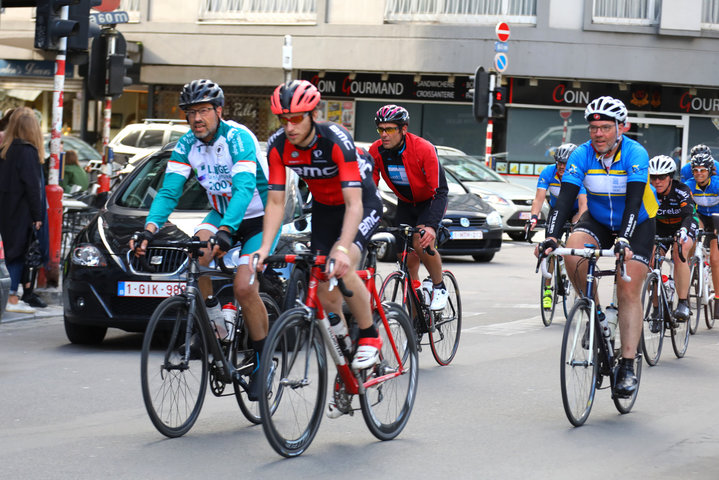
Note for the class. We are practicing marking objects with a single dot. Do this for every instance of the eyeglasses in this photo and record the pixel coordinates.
(388, 130)
(293, 120)
(200, 111)
(603, 128)
(700, 170)
(658, 177)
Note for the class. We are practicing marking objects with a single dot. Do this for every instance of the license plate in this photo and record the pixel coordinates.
(465, 234)
(525, 215)
(149, 289)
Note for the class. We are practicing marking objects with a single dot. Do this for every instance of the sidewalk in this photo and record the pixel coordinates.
(51, 296)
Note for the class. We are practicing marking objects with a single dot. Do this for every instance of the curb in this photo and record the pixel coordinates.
(49, 311)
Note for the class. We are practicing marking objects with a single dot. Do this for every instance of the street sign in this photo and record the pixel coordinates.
(109, 18)
(500, 62)
(565, 114)
(501, 47)
(502, 31)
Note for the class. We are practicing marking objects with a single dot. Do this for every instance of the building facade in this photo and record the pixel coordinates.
(658, 56)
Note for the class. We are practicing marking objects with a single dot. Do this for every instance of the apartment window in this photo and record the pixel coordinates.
(485, 12)
(710, 14)
(626, 12)
(132, 7)
(259, 11)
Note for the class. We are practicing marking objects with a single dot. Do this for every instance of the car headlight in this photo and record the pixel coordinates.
(493, 199)
(88, 255)
(494, 219)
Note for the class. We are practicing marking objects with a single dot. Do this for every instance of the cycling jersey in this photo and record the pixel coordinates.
(607, 187)
(676, 210)
(414, 174)
(231, 169)
(707, 197)
(549, 181)
(686, 171)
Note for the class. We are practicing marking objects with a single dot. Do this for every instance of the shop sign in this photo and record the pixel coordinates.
(31, 68)
(393, 87)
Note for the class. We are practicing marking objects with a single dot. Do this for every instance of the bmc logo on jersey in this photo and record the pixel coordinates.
(308, 171)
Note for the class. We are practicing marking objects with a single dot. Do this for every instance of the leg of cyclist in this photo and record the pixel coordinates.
(205, 282)
(254, 314)
(714, 262)
(433, 264)
(576, 268)
(681, 278)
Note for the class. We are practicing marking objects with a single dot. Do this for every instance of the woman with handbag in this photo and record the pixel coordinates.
(21, 154)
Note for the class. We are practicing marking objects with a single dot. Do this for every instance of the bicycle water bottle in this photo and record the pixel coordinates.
(611, 313)
(214, 312)
(427, 287)
(229, 312)
(339, 329)
(669, 286)
(604, 324)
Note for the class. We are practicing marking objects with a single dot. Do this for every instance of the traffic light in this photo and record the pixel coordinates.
(49, 27)
(80, 13)
(107, 73)
(480, 105)
(499, 97)
(117, 67)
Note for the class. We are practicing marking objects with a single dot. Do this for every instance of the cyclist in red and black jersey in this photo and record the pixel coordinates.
(346, 207)
(411, 168)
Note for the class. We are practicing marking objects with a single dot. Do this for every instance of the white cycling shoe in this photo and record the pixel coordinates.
(439, 299)
(367, 352)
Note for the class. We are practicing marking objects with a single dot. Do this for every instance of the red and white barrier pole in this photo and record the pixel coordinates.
(103, 180)
(488, 144)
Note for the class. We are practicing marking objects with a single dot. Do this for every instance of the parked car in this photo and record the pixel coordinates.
(97, 269)
(138, 140)
(4, 280)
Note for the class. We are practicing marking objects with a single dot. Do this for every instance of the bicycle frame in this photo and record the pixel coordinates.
(700, 254)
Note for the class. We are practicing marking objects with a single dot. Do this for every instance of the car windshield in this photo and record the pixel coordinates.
(146, 182)
(469, 169)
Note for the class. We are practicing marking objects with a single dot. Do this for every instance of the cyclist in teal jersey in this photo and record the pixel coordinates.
(227, 161)
(621, 210)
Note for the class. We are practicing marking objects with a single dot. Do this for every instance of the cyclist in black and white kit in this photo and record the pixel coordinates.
(676, 217)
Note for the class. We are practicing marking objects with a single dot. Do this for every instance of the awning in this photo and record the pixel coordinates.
(26, 95)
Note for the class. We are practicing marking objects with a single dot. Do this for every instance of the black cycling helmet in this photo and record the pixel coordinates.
(201, 91)
(703, 160)
(562, 153)
(701, 148)
(392, 114)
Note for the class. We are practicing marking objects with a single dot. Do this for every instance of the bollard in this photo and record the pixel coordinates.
(54, 219)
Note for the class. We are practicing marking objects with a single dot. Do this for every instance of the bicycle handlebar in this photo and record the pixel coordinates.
(586, 252)
(309, 259)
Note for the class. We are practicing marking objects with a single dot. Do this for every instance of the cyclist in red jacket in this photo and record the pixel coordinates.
(410, 166)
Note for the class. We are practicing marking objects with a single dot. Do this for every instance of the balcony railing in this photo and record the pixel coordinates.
(259, 11)
(485, 12)
(626, 12)
(133, 9)
(710, 14)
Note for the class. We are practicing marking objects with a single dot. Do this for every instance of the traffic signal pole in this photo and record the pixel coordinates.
(103, 180)
(490, 126)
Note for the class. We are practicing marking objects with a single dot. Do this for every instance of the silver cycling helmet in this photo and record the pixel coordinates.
(662, 165)
(703, 160)
(562, 153)
(701, 148)
(606, 108)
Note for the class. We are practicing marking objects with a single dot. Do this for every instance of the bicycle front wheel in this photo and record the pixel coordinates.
(294, 387)
(680, 337)
(624, 405)
(387, 405)
(395, 289)
(709, 306)
(173, 386)
(578, 364)
(653, 323)
(545, 306)
(695, 297)
(447, 324)
(250, 409)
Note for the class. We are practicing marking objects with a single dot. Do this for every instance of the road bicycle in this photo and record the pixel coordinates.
(701, 291)
(294, 390)
(659, 298)
(181, 353)
(590, 351)
(443, 327)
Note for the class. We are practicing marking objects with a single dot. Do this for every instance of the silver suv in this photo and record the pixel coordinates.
(138, 140)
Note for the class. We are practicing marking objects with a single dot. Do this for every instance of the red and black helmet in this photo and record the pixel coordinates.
(392, 114)
(298, 96)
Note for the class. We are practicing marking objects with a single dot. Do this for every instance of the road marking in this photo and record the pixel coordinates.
(507, 329)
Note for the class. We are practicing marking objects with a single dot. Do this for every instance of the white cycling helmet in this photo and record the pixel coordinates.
(661, 165)
(606, 108)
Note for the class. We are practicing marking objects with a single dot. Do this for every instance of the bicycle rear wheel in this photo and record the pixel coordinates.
(548, 313)
(695, 298)
(387, 405)
(173, 388)
(447, 324)
(578, 375)
(250, 409)
(709, 307)
(652, 327)
(293, 396)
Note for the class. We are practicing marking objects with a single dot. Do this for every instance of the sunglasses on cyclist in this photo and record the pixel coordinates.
(294, 120)
(700, 170)
(658, 177)
(388, 130)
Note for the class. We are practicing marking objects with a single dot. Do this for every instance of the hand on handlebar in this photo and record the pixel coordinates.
(545, 248)
(139, 241)
(427, 238)
(621, 247)
(221, 243)
(338, 262)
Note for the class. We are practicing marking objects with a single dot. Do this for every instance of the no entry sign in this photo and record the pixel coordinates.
(502, 30)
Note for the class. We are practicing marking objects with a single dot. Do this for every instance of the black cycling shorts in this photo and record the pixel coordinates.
(641, 243)
(327, 225)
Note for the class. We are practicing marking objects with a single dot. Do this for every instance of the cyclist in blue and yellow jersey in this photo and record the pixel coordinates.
(621, 208)
(227, 161)
(686, 171)
(550, 181)
(705, 189)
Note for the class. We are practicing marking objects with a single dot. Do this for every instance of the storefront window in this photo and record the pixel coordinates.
(532, 134)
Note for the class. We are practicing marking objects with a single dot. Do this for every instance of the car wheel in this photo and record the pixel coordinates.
(385, 252)
(483, 257)
(519, 236)
(84, 334)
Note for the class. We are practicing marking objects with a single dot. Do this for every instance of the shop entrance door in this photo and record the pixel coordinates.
(662, 135)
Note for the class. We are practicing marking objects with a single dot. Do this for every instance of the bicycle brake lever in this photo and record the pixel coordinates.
(333, 280)
(253, 268)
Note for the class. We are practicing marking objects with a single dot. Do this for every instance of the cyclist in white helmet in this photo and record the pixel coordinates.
(676, 217)
(621, 210)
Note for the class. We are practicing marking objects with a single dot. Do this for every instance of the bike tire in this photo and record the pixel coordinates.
(548, 313)
(395, 289)
(709, 310)
(695, 297)
(250, 409)
(624, 405)
(293, 396)
(386, 406)
(578, 377)
(446, 325)
(652, 330)
(173, 389)
(680, 338)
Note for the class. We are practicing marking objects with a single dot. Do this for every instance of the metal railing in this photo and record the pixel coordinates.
(710, 14)
(627, 12)
(461, 11)
(259, 11)
(133, 9)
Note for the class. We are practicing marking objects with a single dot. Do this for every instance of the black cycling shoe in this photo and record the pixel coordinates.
(681, 314)
(626, 382)
(253, 387)
(716, 308)
(655, 322)
(33, 300)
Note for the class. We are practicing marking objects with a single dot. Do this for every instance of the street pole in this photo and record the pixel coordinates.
(287, 58)
(490, 125)
(103, 179)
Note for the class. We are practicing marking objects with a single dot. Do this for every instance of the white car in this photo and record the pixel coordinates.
(138, 140)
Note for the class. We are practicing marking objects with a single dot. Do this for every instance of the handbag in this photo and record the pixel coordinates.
(33, 257)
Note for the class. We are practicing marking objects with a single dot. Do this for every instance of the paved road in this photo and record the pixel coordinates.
(77, 412)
